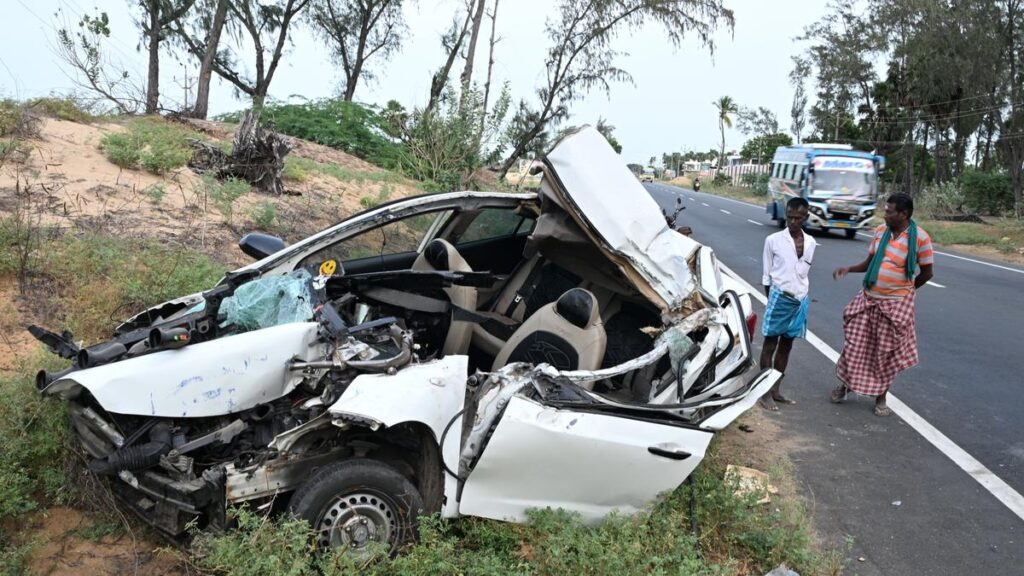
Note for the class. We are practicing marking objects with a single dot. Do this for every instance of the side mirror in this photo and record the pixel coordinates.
(260, 245)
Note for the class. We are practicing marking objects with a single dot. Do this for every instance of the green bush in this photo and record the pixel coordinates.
(721, 179)
(152, 144)
(939, 200)
(155, 193)
(987, 192)
(63, 108)
(263, 215)
(223, 193)
(758, 183)
(348, 126)
(17, 120)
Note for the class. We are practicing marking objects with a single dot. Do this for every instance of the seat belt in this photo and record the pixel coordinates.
(419, 303)
(526, 290)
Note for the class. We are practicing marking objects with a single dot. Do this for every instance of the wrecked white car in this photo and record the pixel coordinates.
(466, 353)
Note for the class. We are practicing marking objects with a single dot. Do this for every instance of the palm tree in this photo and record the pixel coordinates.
(725, 106)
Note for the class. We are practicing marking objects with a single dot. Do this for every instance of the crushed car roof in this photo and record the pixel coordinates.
(587, 178)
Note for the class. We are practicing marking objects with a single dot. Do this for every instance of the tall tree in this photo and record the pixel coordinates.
(265, 26)
(474, 33)
(490, 57)
(760, 123)
(359, 30)
(452, 42)
(202, 30)
(581, 56)
(726, 108)
(798, 109)
(158, 16)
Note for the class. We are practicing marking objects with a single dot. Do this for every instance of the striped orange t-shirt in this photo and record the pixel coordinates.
(892, 277)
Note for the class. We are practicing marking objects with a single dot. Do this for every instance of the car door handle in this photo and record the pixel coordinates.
(671, 454)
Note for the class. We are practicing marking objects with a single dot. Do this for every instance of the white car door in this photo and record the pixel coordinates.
(594, 459)
(586, 462)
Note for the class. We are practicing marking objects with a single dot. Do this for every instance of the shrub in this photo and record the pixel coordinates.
(223, 193)
(940, 200)
(63, 108)
(348, 126)
(17, 120)
(987, 192)
(149, 143)
(155, 193)
(758, 183)
(263, 215)
(721, 179)
(296, 168)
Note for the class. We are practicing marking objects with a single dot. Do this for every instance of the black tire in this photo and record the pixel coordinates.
(851, 233)
(354, 502)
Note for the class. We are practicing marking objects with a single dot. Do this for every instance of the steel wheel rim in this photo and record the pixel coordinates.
(353, 521)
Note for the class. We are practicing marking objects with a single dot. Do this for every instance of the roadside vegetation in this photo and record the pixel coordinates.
(150, 144)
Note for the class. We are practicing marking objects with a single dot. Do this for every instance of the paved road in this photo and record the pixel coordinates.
(969, 386)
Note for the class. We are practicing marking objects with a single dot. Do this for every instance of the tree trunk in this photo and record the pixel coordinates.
(439, 80)
(721, 154)
(490, 66)
(478, 17)
(153, 85)
(519, 150)
(201, 108)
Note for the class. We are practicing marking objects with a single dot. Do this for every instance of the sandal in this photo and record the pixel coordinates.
(838, 394)
(882, 410)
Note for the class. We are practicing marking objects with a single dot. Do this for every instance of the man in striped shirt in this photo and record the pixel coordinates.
(880, 337)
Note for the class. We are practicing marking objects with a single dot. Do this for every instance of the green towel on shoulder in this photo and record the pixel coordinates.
(871, 276)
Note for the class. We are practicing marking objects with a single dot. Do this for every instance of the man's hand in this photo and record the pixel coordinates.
(840, 273)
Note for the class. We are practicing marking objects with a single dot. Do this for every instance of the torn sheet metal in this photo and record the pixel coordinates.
(602, 192)
(431, 393)
(583, 462)
(206, 379)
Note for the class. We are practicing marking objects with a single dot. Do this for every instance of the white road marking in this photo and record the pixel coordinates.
(754, 222)
(691, 199)
(725, 211)
(1017, 270)
(705, 204)
(937, 285)
(969, 464)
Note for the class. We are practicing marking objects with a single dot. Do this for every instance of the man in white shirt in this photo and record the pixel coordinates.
(787, 262)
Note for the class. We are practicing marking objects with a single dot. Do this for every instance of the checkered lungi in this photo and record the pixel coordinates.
(880, 340)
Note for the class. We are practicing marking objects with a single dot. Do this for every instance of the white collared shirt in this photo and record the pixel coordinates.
(782, 268)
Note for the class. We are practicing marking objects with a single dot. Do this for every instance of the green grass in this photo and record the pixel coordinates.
(1005, 234)
(736, 537)
(223, 193)
(263, 215)
(62, 108)
(151, 144)
(155, 193)
(298, 168)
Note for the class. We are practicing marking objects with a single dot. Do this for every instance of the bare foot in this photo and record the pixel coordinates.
(768, 403)
(882, 410)
(780, 399)
(838, 394)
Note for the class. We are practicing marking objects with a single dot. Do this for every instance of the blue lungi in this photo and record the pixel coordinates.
(785, 315)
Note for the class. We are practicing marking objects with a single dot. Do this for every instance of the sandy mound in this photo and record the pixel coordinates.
(67, 182)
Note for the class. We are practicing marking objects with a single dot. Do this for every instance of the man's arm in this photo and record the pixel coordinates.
(766, 267)
(860, 268)
(924, 276)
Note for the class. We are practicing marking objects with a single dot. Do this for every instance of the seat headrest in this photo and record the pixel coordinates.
(436, 254)
(578, 306)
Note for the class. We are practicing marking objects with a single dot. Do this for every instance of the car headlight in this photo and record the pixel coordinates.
(817, 211)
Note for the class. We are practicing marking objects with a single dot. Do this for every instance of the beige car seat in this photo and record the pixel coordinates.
(441, 255)
(567, 334)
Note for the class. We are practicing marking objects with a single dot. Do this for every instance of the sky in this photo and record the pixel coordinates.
(667, 107)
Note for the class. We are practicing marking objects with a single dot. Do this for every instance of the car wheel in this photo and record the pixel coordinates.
(851, 233)
(354, 503)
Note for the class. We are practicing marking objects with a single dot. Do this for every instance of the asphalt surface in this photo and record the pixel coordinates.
(906, 507)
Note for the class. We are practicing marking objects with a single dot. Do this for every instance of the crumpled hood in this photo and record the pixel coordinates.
(590, 180)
